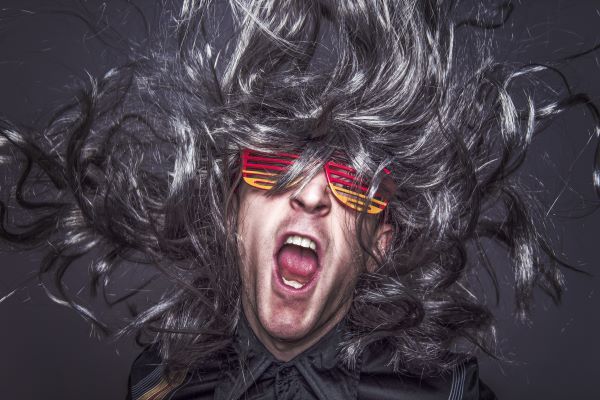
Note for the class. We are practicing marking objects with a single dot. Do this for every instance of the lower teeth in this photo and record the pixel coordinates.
(294, 284)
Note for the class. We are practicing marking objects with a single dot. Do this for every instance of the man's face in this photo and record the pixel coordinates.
(292, 294)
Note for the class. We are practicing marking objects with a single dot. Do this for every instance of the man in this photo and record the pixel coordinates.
(299, 261)
(314, 180)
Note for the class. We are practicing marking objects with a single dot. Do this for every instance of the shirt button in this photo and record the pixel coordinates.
(284, 371)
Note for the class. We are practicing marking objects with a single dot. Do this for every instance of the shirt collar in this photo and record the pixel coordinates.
(319, 365)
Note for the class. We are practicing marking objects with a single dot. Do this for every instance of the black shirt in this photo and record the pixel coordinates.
(314, 374)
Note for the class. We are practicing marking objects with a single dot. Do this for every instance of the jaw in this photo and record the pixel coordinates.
(286, 331)
(287, 328)
(286, 317)
(289, 322)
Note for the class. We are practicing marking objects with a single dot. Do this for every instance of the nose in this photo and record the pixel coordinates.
(314, 197)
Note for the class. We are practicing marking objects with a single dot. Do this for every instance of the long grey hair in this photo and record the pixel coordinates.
(142, 168)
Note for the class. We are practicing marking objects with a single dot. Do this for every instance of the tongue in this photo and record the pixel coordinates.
(297, 263)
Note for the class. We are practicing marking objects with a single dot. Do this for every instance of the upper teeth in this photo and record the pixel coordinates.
(301, 241)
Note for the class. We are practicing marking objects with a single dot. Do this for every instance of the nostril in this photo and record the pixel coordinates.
(297, 202)
(313, 197)
(311, 205)
(320, 207)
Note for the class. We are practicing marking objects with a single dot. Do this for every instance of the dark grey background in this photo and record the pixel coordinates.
(48, 352)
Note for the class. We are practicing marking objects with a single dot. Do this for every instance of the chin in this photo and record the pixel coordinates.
(286, 327)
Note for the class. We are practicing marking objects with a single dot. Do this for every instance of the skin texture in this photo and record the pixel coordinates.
(287, 325)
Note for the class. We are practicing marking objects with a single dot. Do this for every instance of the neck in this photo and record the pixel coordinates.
(286, 349)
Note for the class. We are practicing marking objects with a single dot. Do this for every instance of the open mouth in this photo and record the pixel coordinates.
(297, 261)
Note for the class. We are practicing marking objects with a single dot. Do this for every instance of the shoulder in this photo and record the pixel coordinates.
(148, 378)
(379, 381)
(465, 383)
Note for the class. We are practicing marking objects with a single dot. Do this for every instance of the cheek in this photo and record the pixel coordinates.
(245, 235)
(247, 229)
(348, 246)
(346, 257)
(255, 221)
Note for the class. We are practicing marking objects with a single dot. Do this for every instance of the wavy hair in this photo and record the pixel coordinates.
(143, 167)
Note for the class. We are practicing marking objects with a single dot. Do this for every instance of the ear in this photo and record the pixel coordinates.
(383, 238)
